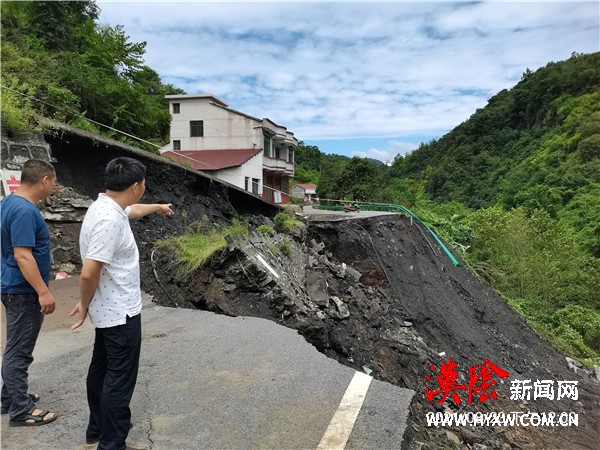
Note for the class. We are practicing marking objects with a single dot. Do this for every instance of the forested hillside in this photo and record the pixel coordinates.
(70, 66)
(518, 186)
(536, 146)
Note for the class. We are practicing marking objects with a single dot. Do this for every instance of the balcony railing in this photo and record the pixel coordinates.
(278, 165)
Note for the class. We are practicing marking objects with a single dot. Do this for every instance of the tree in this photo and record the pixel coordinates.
(74, 67)
(55, 22)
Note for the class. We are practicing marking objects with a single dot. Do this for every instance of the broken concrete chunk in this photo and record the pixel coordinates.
(354, 274)
(339, 271)
(469, 437)
(343, 310)
(317, 248)
(316, 287)
(573, 362)
(452, 437)
(228, 287)
(575, 366)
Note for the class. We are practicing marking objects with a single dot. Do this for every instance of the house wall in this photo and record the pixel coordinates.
(222, 129)
(225, 129)
(236, 175)
(298, 192)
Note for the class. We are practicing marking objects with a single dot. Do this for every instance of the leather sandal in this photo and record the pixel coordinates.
(34, 418)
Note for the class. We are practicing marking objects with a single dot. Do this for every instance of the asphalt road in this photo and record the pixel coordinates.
(340, 215)
(212, 382)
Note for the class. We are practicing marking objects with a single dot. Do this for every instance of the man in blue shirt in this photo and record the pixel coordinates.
(24, 289)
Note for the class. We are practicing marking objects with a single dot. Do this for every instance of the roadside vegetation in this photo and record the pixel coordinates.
(201, 240)
(287, 223)
(60, 62)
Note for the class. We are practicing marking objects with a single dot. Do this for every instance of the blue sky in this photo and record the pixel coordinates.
(359, 79)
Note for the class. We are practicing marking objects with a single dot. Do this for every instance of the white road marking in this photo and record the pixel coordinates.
(261, 259)
(341, 424)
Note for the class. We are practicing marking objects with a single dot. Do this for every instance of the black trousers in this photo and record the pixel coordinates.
(23, 323)
(111, 381)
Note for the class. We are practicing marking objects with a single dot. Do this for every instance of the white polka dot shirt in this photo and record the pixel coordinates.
(106, 237)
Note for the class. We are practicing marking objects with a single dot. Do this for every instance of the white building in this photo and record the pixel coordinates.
(308, 192)
(251, 153)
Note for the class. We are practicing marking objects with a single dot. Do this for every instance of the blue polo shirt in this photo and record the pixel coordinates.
(22, 226)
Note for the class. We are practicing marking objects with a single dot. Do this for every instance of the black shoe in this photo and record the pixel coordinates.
(94, 440)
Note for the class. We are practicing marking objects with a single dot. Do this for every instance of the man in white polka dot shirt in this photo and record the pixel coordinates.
(111, 296)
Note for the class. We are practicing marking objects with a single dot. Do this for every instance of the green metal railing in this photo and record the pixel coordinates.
(394, 208)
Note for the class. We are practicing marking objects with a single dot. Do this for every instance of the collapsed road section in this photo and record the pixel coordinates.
(380, 296)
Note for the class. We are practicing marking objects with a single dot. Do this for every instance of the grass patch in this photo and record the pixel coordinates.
(265, 229)
(192, 249)
(286, 223)
(285, 247)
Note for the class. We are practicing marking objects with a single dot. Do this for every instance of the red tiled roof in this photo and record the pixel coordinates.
(307, 186)
(208, 160)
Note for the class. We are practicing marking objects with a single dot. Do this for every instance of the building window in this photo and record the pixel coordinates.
(277, 153)
(267, 146)
(196, 128)
(246, 183)
(291, 155)
(255, 182)
(176, 109)
(176, 145)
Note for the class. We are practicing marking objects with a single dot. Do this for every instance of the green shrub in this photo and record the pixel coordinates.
(281, 218)
(286, 223)
(16, 112)
(573, 329)
(237, 228)
(265, 229)
(585, 321)
(285, 247)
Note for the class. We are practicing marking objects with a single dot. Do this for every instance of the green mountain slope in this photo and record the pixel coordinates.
(517, 187)
(536, 145)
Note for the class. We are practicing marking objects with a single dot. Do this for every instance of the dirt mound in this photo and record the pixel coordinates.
(461, 317)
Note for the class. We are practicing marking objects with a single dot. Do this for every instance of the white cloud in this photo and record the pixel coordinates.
(348, 70)
(388, 154)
